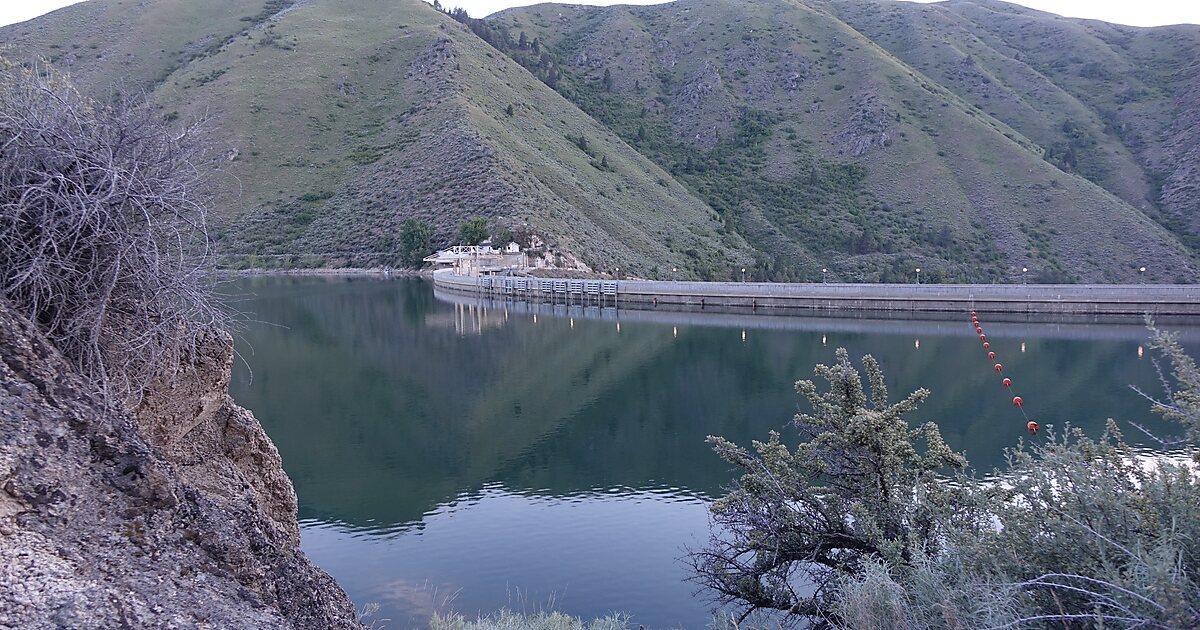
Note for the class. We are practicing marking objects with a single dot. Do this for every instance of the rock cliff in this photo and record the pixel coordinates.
(179, 516)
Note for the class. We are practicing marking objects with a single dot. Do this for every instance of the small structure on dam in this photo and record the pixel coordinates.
(482, 259)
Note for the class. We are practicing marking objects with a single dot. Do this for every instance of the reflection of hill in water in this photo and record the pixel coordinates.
(386, 403)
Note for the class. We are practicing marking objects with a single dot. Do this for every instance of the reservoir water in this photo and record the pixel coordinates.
(449, 456)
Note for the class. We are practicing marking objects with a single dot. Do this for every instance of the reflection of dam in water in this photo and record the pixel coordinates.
(473, 311)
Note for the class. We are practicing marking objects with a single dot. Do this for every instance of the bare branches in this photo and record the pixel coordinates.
(103, 238)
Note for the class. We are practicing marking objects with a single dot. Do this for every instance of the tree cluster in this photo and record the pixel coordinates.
(473, 231)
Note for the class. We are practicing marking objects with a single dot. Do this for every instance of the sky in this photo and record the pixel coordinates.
(1133, 12)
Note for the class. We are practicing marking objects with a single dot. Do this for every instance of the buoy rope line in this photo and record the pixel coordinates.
(1017, 401)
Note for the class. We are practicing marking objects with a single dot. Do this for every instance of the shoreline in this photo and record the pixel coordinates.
(329, 271)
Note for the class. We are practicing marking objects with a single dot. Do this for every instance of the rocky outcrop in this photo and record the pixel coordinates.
(180, 517)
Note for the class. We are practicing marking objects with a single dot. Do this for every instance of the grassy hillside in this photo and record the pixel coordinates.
(823, 147)
(132, 45)
(1117, 105)
(336, 121)
(969, 138)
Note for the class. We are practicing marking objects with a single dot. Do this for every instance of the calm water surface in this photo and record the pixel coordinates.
(451, 457)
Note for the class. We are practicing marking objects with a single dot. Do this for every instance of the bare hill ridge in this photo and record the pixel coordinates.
(969, 138)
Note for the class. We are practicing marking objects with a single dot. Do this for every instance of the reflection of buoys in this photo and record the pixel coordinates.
(1007, 382)
(1033, 427)
(991, 356)
(986, 345)
(1017, 402)
(982, 337)
(999, 368)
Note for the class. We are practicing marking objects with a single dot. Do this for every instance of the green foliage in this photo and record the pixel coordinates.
(502, 235)
(1074, 153)
(506, 619)
(1084, 532)
(473, 231)
(1182, 401)
(842, 497)
(415, 238)
(532, 56)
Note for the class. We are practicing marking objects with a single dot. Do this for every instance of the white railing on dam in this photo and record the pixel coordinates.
(1051, 298)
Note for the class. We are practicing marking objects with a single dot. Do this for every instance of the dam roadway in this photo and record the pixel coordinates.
(772, 297)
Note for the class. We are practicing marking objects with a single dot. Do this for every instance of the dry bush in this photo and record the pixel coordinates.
(103, 240)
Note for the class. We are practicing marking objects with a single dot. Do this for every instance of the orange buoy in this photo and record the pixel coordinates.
(999, 368)
(1017, 402)
(1007, 382)
(986, 345)
(982, 337)
(1033, 427)
(991, 356)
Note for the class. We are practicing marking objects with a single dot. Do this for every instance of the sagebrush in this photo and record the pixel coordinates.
(103, 229)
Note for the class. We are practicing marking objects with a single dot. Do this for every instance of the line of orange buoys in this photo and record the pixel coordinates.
(999, 368)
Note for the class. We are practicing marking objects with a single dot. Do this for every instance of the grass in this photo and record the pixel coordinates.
(863, 137)
(508, 620)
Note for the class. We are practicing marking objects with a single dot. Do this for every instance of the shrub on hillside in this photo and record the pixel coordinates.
(103, 241)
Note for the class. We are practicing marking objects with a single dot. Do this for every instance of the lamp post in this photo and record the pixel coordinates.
(743, 274)
(1142, 274)
(1024, 270)
(674, 273)
(617, 273)
(918, 275)
(823, 272)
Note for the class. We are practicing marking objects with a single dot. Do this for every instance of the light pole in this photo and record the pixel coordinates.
(823, 272)
(1024, 270)
(617, 273)
(743, 274)
(674, 273)
(1142, 274)
(918, 275)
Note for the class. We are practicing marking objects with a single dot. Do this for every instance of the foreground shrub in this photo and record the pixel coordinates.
(856, 528)
(103, 240)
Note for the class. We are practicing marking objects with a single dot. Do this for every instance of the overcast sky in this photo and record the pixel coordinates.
(1135, 12)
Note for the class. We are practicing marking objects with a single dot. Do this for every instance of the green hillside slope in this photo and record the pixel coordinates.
(970, 138)
(824, 148)
(1117, 105)
(127, 45)
(339, 120)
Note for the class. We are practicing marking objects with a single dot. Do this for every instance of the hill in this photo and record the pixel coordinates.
(1115, 104)
(823, 146)
(338, 121)
(970, 138)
